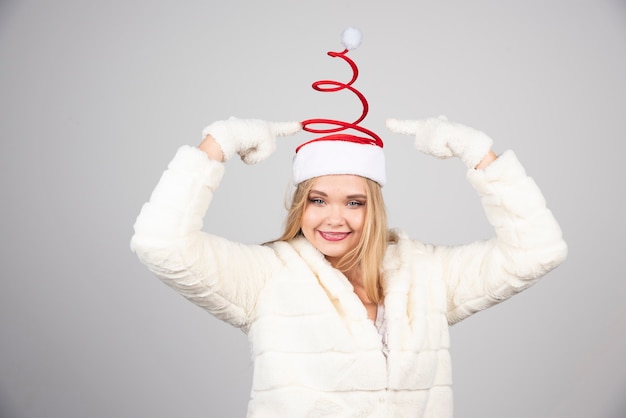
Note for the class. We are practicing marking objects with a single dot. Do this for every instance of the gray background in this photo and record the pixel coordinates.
(96, 97)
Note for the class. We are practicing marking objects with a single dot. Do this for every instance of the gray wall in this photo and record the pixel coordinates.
(95, 98)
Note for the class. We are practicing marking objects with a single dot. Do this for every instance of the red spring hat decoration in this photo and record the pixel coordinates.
(338, 152)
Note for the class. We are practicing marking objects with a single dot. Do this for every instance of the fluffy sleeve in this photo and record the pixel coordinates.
(528, 242)
(218, 275)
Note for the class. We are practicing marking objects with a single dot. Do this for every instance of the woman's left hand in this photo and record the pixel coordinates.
(444, 139)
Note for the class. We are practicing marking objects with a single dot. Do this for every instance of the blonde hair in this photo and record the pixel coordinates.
(369, 252)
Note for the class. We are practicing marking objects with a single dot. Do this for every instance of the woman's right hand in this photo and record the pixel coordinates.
(252, 139)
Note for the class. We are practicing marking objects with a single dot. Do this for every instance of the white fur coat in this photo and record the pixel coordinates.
(315, 352)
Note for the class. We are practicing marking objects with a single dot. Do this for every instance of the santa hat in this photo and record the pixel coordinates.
(336, 152)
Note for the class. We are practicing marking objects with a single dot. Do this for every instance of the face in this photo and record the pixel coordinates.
(334, 214)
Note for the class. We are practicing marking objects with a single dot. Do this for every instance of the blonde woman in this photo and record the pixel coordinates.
(346, 318)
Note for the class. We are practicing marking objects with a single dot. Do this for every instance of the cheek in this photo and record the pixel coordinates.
(357, 221)
(308, 220)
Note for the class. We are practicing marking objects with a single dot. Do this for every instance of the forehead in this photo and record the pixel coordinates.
(348, 183)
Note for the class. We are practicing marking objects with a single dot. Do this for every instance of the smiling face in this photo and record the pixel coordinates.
(334, 214)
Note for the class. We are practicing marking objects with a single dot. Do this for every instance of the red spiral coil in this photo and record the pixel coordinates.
(330, 86)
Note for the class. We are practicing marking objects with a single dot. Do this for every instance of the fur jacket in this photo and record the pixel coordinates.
(315, 352)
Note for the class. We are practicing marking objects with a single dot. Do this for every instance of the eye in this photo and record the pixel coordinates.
(316, 201)
(355, 203)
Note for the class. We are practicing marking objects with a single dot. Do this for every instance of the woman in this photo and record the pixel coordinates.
(346, 318)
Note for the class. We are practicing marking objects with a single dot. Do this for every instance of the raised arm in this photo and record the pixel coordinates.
(218, 275)
(528, 241)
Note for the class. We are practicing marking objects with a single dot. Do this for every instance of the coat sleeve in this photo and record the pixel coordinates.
(220, 276)
(528, 242)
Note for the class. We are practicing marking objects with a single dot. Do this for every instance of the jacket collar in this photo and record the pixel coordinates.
(396, 272)
(335, 283)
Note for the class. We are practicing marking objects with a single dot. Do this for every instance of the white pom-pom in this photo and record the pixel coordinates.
(351, 38)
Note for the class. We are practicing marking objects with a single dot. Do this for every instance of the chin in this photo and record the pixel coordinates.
(333, 252)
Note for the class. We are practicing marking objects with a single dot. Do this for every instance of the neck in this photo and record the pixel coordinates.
(354, 276)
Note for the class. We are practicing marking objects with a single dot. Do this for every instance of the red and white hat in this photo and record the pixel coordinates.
(341, 153)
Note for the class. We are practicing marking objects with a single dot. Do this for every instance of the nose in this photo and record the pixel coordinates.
(335, 216)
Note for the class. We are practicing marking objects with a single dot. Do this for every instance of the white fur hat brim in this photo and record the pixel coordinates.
(321, 158)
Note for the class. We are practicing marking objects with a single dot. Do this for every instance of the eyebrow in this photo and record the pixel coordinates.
(352, 196)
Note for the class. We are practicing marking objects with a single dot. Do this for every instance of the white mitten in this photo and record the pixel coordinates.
(444, 139)
(253, 139)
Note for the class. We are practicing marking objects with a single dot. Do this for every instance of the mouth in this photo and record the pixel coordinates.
(333, 236)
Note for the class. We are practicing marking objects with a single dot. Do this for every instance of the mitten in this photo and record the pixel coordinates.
(252, 139)
(443, 139)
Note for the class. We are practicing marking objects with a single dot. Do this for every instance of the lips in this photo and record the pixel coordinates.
(333, 236)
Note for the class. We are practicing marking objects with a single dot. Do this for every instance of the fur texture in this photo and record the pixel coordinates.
(351, 38)
(252, 139)
(444, 139)
(315, 352)
(322, 158)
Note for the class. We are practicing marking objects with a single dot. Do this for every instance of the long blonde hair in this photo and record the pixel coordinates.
(369, 252)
